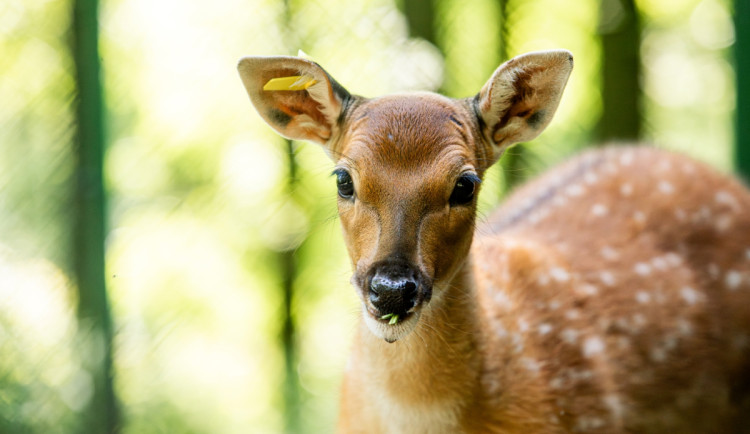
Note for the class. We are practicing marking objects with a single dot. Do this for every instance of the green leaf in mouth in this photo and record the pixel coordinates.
(392, 316)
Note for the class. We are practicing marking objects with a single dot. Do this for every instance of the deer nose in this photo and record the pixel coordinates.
(393, 290)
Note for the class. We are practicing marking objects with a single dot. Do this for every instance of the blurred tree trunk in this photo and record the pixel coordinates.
(420, 15)
(512, 162)
(620, 31)
(289, 270)
(742, 72)
(421, 18)
(95, 323)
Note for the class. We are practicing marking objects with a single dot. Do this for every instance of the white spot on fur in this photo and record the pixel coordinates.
(639, 321)
(713, 270)
(590, 178)
(643, 297)
(622, 324)
(684, 327)
(642, 269)
(663, 166)
(500, 331)
(626, 158)
(574, 190)
(587, 289)
(523, 325)
(593, 346)
(609, 253)
(580, 375)
(670, 342)
(501, 299)
(688, 168)
(723, 223)
(680, 214)
(658, 354)
(607, 278)
(673, 259)
(544, 328)
(616, 406)
(559, 274)
(666, 187)
(703, 214)
(690, 295)
(517, 342)
(659, 263)
(586, 423)
(543, 279)
(557, 383)
(733, 279)
(599, 210)
(554, 305)
(530, 364)
(569, 335)
(626, 189)
(560, 201)
(639, 217)
(572, 314)
(725, 198)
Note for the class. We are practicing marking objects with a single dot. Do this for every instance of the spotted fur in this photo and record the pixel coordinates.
(610, 295)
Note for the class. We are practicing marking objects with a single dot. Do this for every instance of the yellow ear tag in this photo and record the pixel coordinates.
(295, 82)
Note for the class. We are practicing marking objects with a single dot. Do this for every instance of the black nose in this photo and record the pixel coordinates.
(393, 289)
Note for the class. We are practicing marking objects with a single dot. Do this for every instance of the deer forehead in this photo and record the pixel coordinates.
(409, 131)
(408, 144)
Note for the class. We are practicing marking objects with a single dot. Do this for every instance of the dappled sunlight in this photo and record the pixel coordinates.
(37, 328)
(688, 81)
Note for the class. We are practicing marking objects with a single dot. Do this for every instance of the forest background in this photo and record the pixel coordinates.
(168, 264)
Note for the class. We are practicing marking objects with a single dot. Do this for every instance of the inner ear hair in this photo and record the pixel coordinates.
(520, 98)
(309, 112)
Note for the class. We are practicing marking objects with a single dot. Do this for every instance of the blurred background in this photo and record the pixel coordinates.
(168, 264)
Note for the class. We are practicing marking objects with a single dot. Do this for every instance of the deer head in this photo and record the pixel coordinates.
(408, 167)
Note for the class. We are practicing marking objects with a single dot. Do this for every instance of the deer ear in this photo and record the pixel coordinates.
(518, 101)
(295, 96)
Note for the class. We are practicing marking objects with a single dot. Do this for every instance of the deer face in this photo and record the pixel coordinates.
(407, 199)
(408, 167)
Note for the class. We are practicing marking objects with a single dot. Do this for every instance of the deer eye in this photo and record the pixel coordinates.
(344, 183)
(463, 192)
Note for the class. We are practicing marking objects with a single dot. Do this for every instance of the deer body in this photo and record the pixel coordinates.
(610, 295)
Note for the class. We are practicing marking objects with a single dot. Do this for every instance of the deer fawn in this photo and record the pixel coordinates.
(610, 295)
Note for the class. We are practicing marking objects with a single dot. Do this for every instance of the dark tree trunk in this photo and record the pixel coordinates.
(289, 271)
(742, 72)
(95, 323)
(621, 38)
(420, 14)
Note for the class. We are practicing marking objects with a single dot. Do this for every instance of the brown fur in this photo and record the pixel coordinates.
(610, 295)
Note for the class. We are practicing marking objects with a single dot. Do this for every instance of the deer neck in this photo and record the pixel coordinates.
(437, 365)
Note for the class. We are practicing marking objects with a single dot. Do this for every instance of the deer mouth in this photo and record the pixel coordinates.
(392, 326)
(390, 329)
